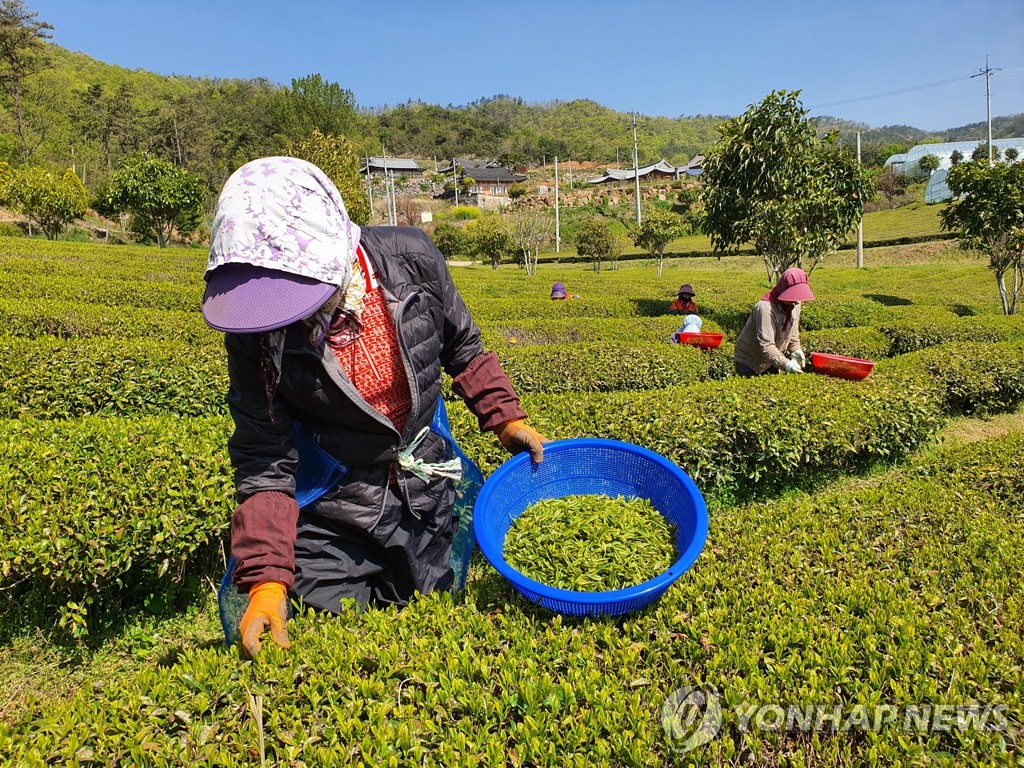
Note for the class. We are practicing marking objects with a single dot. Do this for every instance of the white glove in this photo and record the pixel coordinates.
(800, 357)
(792, 366)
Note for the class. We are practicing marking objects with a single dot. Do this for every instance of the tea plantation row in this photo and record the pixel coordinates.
(904, 590)
(899, 587)
(106, 512)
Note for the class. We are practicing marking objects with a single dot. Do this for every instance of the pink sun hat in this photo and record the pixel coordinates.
(792, 286)
(281, 244)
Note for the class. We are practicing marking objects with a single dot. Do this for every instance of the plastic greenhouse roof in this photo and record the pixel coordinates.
(909, 160)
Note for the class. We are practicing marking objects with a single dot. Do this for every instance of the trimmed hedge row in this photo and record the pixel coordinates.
(826, 312)
(54, 378)
(572, 331)
(927, 332)
(19, 253)
(183, 295)
(738, 437)
(902, 594)
(102, 513)
(974, 378)
(34, 318)
(865, 342)
(735, 438)
(502, 310)
(605, 367)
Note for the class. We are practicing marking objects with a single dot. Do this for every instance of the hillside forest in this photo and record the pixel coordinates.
(62, 109)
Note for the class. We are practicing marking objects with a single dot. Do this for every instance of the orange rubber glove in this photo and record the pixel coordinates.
(517, 436)
(268, 607)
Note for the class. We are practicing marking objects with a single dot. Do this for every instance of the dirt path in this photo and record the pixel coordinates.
(963, 431)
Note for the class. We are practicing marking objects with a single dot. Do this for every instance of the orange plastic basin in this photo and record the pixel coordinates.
(852, 368)
(703, 340)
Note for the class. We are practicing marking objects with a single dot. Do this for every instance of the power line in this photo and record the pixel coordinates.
(892, 93)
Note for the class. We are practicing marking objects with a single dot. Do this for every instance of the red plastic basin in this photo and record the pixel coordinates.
(703, 340)
(852, 368)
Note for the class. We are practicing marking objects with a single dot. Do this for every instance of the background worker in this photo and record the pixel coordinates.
(773, 329)
(339, 336)
(683, 304)
(558, 293)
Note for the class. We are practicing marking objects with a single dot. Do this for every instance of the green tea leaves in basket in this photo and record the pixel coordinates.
(591, 543)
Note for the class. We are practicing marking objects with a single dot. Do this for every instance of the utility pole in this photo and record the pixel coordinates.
(455, 175)
(393, 212)
(987, 72)
(369, 182)
(570, 172)
(636, 170)
(860, 220)
(387, 182)
(558, 237)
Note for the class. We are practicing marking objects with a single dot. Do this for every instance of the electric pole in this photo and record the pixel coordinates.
(987, 72)
(558, 238)
(369, 182)
(860, 220)
(636, 170)
(455, 175)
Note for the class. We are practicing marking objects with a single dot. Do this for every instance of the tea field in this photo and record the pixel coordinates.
(858, 601)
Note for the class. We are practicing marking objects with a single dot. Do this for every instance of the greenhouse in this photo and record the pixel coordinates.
(937, 190)
(907, 162)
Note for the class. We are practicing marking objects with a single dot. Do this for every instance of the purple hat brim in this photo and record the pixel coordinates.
(241, 298)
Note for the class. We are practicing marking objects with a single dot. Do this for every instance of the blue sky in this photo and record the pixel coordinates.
(879, 62)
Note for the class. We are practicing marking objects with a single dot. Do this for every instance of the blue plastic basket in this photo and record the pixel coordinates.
(585, 466)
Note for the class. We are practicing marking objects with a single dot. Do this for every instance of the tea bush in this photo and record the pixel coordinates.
(903, 592)
(54, 378)
(975, 378)
(654, 331)
(927, 332)
(112, 292)
(742, 436)
(34, 318)
(98, 514)
(864, 342)
(606, 367)
(514, 309)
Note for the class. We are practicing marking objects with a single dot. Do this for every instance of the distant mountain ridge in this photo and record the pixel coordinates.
(88, 113)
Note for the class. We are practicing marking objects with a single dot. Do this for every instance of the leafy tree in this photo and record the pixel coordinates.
(51, 201)
(987, 214)
(956, 157)
(594, 239)
(22, 54)
(315, 104)
(657, 228)
(1011, 154)
(159, 195)
(490, 238)
(772, 182)
(450, 240)
(530, 230)
(891, 184)
(339, 159)
(517, 192)
(928, 164)
(981, 152)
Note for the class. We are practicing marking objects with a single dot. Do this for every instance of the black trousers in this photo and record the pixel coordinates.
(337, 563)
